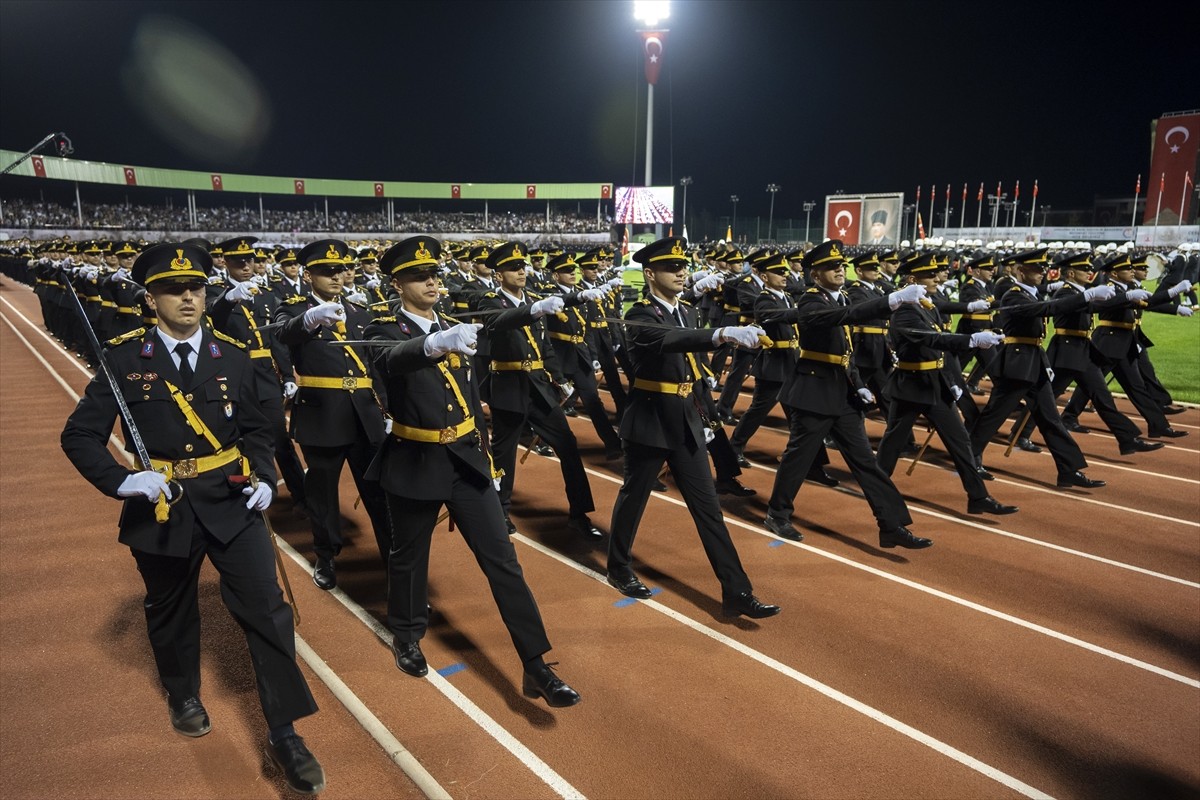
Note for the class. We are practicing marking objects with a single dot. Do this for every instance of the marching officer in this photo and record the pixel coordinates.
(663, 424)
(336, 417)
(191, 394)
(601, 337)
(437, 454)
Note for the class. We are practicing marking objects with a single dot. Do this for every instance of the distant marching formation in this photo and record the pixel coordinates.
(222, 357)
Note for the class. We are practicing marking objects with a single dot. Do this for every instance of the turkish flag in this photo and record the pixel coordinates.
(652, 44)
(39, 167)
(130, 176)
(217, 183)
(843, 220)
(1176, 143)
(605, 191)
(530, 190)
(379, 190)
(299, 186)
(456, 190)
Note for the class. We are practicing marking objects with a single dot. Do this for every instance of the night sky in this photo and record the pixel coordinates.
(816, 97)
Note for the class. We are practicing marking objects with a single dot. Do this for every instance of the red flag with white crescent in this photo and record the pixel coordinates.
(39, 167)
(842, 220)
(379, 190)
(1162, 183)
(1176, 147)
(652, 45)
(130, 176)
(920, 227)
(530, 190)
(456, 190)
(299, 184)
(605, 191)
(217, 183)
(625, 241)
(1017, 191)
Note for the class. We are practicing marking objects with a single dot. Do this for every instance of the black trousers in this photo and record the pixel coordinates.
(1006, 396)
(551, 424)
(807, 433)
(766, 396)
(593, 406)
(949, 426)
(250, 592)
(603, 346)
(1158, 392)
(690, 470)
(983, 364)
(1092, 382)
(1131, 379)
(739, 368)
(321, 493)
(290, 468)
(475, 509)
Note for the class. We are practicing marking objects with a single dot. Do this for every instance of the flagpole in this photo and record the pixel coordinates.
(1136, 194)
(979, 207)
(962, 215)
(1012, 221)
(932, 198)
(917, 208)
(1162, 185)
(1033, 209)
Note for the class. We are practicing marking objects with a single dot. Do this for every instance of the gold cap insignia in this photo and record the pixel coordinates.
(422, 252)
(677, 250)
(332, 252)
(516, 251)
(833, 251)
(180, 262)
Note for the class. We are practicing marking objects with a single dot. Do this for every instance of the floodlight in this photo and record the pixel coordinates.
(651, 12)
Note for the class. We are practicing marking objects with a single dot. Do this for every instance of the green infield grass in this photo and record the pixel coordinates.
(1176, 354)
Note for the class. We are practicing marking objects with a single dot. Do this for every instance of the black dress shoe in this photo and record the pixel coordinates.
(300, 767)
(189, 717)
(410, 659)
(747, 605)
(829, 443)
(542, 682)
(734, 487)
(1168, 433)
(584, 527)
(508, 523)
(570, 411)
(741, 460)
(614, 454)
(1074, 427)
(629, 586)
(1140, 445)
(989, 505)
(1077, 478)
(974, 389)
(543, 450)
(1028, 446)
(727, 417)
(659, 486)
(902, 537)
(325, 576)
(984, 474)
(819, 475)
(1171, 410)
(783, 528)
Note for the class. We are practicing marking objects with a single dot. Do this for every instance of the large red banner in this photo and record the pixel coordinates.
(217, 184)
(130, 176)
(299, 184)
(39, 167)
(1172, 161)
(842, 220)
(652, 44)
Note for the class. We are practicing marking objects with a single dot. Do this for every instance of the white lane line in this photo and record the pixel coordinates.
(1033, 626)
(871, 713)
(540, 768)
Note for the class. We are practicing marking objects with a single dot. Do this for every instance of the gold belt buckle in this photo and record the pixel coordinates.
(527, 365)
(684, 389)
(447, 435)
(350, 383)
(845, 359)
(185, 468)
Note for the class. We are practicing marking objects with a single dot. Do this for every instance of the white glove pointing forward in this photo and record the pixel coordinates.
(327, 314)
(913, 293)
(459, 339)
(548, 305)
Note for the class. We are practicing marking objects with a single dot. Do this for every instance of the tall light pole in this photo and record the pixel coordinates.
(650, 13)
(685, 182)
(772, 188)
(808, 207)
(733, 198)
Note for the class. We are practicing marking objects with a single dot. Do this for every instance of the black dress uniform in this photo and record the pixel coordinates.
(662, 424)
(601, 337)
(821, 398)
(520, 391)
(746, 291)
(974, 288)
(1022, 371)
(872, 354)
(227, 437)
(336, 416)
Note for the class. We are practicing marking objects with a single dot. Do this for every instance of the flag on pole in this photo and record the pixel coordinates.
(625, 241)
(980, 198)
(1035, 188)
(1162, 185)
(920, 227)
(964, 195)
(729, 233)
(947, 194)
(1017, 191)
(918, 193)
(1138, 189)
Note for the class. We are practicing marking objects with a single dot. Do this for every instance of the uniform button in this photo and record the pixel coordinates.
(188, 397)
(449, 407)
(145, 397)
(188, 448)
(224, 387)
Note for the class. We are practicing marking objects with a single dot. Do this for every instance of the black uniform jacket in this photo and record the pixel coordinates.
(918, 338)
(1072, 348)
(420, 396)
(975, 289)
(329, 417)
(1023, 316)
(779, 362)
(514, 336)
(222, 394)
(870, 348)
(659, 352)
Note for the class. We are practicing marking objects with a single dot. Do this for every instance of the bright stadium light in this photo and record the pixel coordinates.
(651, 12)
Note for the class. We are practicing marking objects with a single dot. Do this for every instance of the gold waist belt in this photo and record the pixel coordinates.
(434, 435)
(828, 358)
(516, 366)
(349, 383)
(678, 389)
(186, 468)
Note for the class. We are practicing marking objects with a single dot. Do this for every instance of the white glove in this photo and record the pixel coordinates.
(259, 497)
(975, 306)
(592, 294)
(1050, 372)
(1137, 295)
(148, 484)
(1104, 292)
(549, 305)
(985, 340)
(122, 274)
(699, 275)
(711, 381)
(743, 335)
(459, 339)
(326, 314)
(529, 269)
(595, 366)
(709, 435)
(496, 483)
(90, 273)
(289, 389)
(568, 389)
(913, 293)
(240, 291)
(1053, 287)
(1184, 311)
(616, 282)
(1179, 289)
(950, 285)
(263, 280)
(372, 282)
(708, 283)
(866, 396)
(387, 426)
(357, 296)
(956, 392)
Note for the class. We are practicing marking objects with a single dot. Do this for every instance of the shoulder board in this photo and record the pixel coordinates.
(137, 333)
(684, 302)
(230, 339)
(1015, 289)
(352, 304)
(970, 281)
(299, 298)
(853, 285)
(534, 295)
(490, 294)
(645, 301)
(812, 290)
(383, 319)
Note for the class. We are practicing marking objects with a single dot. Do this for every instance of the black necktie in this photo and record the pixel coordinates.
(183, 350)
(679, 318)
